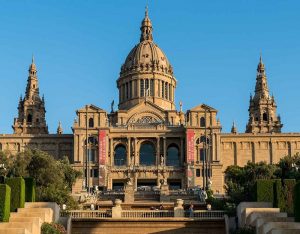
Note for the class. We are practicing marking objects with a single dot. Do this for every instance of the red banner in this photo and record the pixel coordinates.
(102, 147)
(102, 156)
(190, 134)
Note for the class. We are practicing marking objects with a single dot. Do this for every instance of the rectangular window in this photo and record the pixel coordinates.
(152, 87)
(130, 89)
(166, 90)
(163, 90)
(127, 91)
(202, 155)
(96, 173)
(91, 173)
(158, 88)
(142, 88)
(198, 174)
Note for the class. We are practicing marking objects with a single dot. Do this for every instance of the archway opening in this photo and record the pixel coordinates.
(147, 154)
(120, 155)
(173, 158)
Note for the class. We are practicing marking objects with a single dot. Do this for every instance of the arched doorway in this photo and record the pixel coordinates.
(147, 154)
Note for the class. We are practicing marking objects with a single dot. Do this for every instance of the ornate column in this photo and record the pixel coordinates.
(111, 150)
(135, 159)
(80, 149)
(181, 151)
(157, 151)
(165, 148)
(128, 150)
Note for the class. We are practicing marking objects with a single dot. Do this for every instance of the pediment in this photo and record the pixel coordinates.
(146, 113)
(90, 108)
(202, 107)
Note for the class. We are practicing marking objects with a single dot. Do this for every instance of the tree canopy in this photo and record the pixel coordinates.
(240, 181)
(54, 178)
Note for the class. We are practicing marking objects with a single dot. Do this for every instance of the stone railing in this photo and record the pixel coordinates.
(146, 213)
(87, 214)
(205, 214)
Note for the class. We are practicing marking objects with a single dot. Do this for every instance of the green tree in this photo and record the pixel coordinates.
(289, 167)
(54, 178)
(240, 181)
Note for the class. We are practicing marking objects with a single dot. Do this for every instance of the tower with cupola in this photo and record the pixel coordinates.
(31, 109)
(262, 108)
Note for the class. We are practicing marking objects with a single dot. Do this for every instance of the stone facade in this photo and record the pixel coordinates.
(146, 141)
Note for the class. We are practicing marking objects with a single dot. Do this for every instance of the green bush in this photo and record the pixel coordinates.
(5, 192)
(297, 202)
(288, 190)
(17, 185)
(264, 191)
(2, 179)
(279, 200)
(52, 228)
(29, 189)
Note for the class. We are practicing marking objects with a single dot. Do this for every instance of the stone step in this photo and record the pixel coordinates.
(21, 226)
(47, 211)
(36, 222)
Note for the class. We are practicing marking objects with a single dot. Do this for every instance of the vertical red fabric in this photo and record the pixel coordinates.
(102, 147)
(190, 134)
(102, 156)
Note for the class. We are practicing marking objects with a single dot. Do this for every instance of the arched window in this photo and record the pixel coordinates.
(29, 118)
(91, 122)
(120, 155)
(202, 122)
(173, 156)
(147, 154)
(265, 117)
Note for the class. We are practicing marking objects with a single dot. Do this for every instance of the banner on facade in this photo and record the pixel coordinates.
(190, 135)
(102, 156)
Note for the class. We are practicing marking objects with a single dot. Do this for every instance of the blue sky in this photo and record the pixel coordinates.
(214, 46)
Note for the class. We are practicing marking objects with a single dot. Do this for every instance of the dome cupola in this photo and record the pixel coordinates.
(146, 73)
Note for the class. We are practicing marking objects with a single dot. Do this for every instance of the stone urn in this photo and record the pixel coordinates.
(179, 203)
(118, 203)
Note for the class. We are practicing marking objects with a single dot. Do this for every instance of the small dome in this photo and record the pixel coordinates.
(148, 57)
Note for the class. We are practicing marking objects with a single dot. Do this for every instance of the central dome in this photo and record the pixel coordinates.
(146, 73)
(146, 56)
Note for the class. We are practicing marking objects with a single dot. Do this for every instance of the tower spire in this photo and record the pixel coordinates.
(262, 109)
(146, 28)
(31, 116)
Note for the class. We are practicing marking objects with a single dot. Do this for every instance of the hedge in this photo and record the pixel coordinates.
(297, 202)
(29, 189)
(17, 185)
(279, 198)
(2, 179)
(289, 185)
(5, 193)
(264, 191)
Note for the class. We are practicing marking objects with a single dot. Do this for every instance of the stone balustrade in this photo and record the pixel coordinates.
(147, 214)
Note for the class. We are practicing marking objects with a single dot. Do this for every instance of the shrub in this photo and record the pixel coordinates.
(5, 192)
(52, 228)
(29, 189)
(279, 200)
(264, 191)
(297, 202)
(2, 179)
(245, 230)
(17, 186)
(289, 185)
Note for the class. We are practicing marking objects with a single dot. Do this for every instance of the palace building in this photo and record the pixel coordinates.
(146, 141)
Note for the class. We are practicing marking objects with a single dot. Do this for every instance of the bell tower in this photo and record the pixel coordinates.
(262, 108)
(31, 109)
